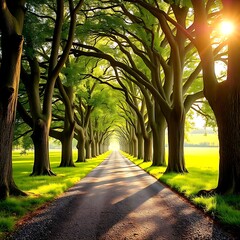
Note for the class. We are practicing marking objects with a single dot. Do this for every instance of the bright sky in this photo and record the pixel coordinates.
(227, 27)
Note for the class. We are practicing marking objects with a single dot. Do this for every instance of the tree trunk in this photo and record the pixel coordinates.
(97, 144)
(67, 134)
(93, 148)
(41, 149)
(67, 156)
(140, 146)
(100, 147)
(158, 132)
(9, 81)
(228, 121)
(81, 146)
(88, 149)
(135, 145)
(147, 150)
(176, 162)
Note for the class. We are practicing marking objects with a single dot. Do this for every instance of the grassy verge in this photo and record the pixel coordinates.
(42, 188)
(202, 164)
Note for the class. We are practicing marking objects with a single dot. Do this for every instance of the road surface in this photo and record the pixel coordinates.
(119, 201)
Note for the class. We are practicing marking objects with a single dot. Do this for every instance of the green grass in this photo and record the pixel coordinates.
(210, 139)
(40, 189)
(202, 164)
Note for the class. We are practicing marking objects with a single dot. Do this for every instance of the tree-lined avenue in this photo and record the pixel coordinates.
(118, 200)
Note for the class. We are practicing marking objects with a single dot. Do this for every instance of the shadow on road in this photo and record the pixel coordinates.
(118, 200)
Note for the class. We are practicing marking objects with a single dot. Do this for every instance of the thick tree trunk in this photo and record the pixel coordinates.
(9, 81)
(147, 150)
(88, 149)
(228, 120)
(100, 147)
(81, 146)
(158, 132)
(67, 156)
(135, 146)
(176, 162)
(41, 149)
(97, 145)
(69, 125)
(93, 148)
(224, 97)
(130, 147)
(140, 146)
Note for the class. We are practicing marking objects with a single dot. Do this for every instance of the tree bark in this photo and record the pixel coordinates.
(93, 148)
(158, 133)
(67, 156)
(140, 145)
(41, 148)
(9, 80)
(228, 122)
(81, 145)
(88, 149)
(176, 162)
(147, 149)
(135, 145)
(11, 24)
(69, 125)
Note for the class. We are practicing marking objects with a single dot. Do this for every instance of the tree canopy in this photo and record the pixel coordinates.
(125, 70)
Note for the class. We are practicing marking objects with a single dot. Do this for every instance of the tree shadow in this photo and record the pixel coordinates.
(110, 204)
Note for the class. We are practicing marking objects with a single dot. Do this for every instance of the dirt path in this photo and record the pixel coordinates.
(119, 201)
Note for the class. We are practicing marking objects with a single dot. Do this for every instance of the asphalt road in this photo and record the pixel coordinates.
(119, 201)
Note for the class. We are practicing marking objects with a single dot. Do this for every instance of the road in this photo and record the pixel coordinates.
(119, 201)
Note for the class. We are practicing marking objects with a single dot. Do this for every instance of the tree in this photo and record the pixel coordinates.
(223, 97)
(140, 42)
(64, 133)
(11, 25)
(83, 112)
(138, 99)
(57, 54)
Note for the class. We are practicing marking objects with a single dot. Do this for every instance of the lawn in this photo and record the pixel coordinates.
(40, 189)
(202, 164)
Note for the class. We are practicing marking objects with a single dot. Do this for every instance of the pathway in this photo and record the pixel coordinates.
(119, 201)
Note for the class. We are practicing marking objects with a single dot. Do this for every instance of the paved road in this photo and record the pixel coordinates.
(119, 201)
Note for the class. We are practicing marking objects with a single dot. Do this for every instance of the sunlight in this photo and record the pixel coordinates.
(114, 146)
(227, 28)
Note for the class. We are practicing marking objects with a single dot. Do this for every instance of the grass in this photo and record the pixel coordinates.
(202, 164)
(198, 139)
(40, 189)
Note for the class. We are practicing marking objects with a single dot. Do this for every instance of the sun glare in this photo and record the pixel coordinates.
(114, 146)
(227, 28)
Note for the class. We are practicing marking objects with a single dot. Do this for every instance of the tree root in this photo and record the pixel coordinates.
(43, 173)
(207, 193)
(14, 191)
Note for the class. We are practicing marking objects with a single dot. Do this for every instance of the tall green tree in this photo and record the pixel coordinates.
(57, 55)
(155, 54)
(223, 97)
(11, 25)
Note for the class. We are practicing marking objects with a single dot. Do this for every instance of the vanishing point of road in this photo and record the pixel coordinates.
(119, 201)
